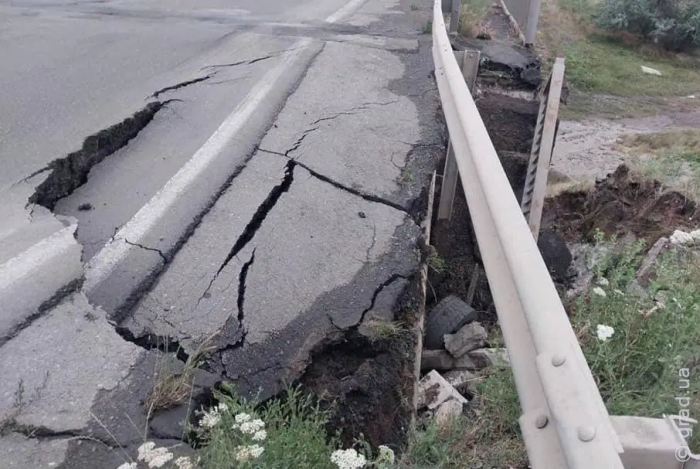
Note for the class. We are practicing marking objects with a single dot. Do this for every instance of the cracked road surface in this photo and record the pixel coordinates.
(245, 176)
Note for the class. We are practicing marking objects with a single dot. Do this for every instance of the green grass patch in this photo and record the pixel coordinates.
(656, 342)
(603, 65)
(281, 434)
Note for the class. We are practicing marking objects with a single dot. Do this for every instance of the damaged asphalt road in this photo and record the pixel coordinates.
(251, 192)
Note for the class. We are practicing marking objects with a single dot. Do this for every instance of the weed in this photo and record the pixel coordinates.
(670, 157)
(436, 263)
(174, 387)
(472, 17)
(294, 433)
(414, 7)
(406, 175)
(428, 27)
(487, 438)
(378, 329)
(8, 422)
(637, 369)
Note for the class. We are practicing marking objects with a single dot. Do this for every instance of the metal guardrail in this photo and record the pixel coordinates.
(564, 421)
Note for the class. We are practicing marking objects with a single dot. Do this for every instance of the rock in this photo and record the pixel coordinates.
(681, 238)
(170, 424)
(447, 412)
(646, 272)
(439, 360)
(463, 381)
(487, 357)
(555, 253)
(447, 317)
(434, 390)
(468, 338)
(466, 362)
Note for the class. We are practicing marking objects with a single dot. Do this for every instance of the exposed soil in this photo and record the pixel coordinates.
(511, 124)
(618, 205)
(361, 378)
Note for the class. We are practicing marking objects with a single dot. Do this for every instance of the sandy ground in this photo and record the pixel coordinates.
(588, 150)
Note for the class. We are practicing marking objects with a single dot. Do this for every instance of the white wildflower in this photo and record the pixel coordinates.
(241, 418)
(600, 292)
(348, 459)
(221, 408)
(145, 449)
(243, 453)
(681, 238)
(256, 450)
(159, 461)
(157, 457)
(605, 332)
(603, 282)
(619, 292)
(386, 456)
(260, 435)
(249, 428)
(128, 465)
(210, 419)
(183, 462)
(695, 235)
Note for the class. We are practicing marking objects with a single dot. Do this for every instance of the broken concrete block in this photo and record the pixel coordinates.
(468, 338)
(463, 381)
(439, 360)
(447, 412)
(433, 390)
(487, 357)
(447, 317)
(466, 362)
(647, 272)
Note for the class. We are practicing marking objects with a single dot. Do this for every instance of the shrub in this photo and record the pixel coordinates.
(673, 24)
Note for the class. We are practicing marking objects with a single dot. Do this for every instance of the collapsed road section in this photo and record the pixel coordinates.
(280, 279)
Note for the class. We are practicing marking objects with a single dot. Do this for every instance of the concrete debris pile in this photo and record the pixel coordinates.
(455, 354)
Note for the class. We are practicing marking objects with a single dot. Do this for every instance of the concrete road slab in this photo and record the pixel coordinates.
(42, 366)
(346, 94)
(197, 293)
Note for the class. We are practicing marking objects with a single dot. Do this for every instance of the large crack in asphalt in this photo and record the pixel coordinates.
(70, 172)
(338, 185)
(256, 221)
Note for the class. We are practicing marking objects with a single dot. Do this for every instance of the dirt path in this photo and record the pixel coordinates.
(590, 149)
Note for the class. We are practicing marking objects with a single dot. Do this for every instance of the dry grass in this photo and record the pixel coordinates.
(670, 157)
(472, 18)
(174, 382)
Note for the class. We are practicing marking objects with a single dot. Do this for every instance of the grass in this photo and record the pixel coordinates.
(472, 17)
(604, 71)
(670, 157)
(295, 435)
(174, 386)
(428, 27)
(489, 438)
(378, 329)
(657, 334)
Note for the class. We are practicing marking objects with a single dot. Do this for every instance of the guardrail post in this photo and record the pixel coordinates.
(468, 61)
(454, 17)
(542, 148)
(446, 6)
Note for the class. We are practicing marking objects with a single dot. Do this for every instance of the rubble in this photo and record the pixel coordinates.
(468, 338)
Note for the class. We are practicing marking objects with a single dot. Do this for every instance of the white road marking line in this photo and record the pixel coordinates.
(116, 250)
